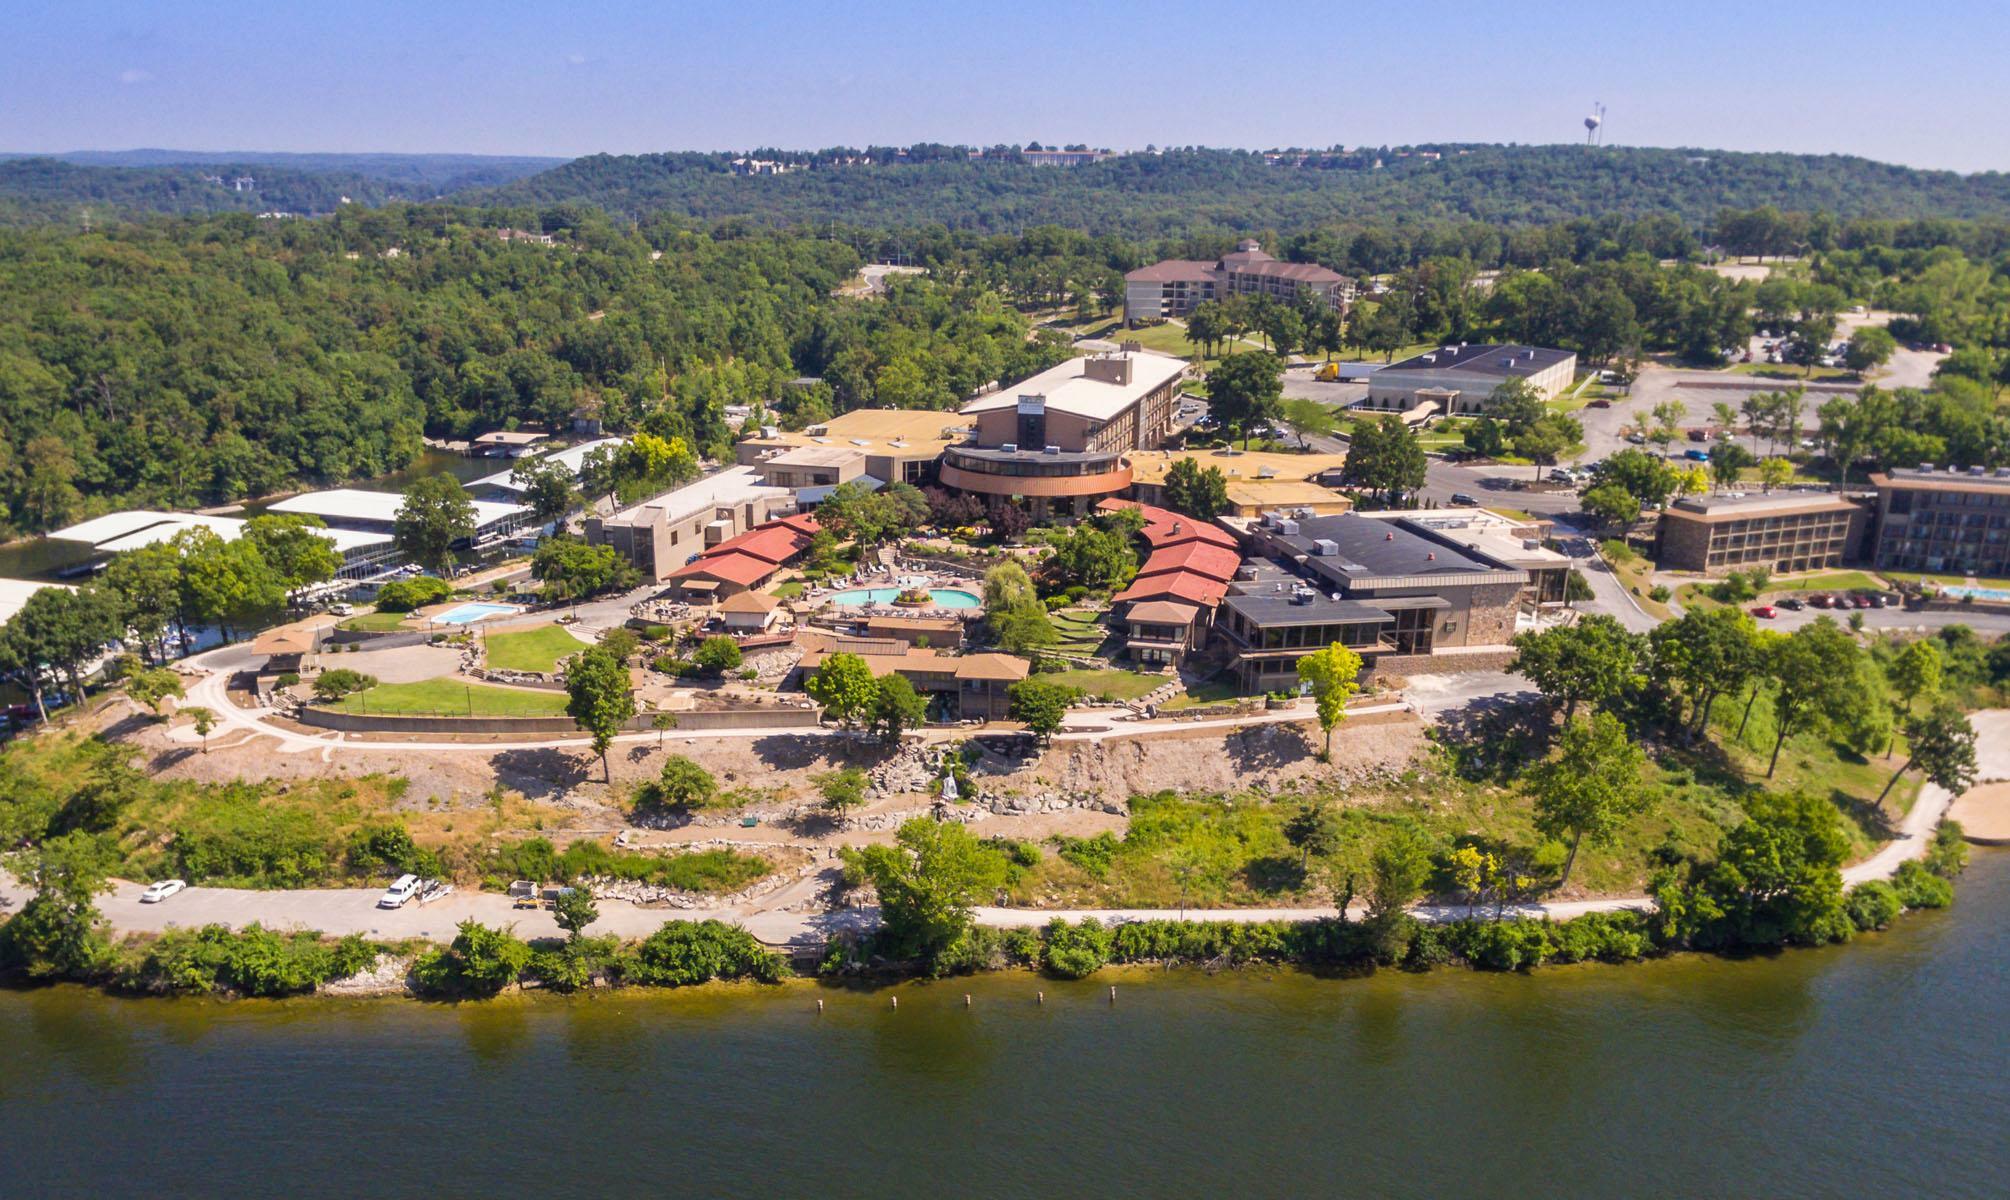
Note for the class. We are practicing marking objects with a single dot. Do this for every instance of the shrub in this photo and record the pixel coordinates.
(688, 952)
(1947, 856)
(655, 633)
(389, 848)
(1873, 904)
(332, 685)
(1075, 951)
(404, 595)
(287, 679)
(717, 655)
(1918, 887)
(254, 961)
(1094, 855)
(670, 664)
(1604, 936)
(1659, 593)
(479, 962)
(681, 784)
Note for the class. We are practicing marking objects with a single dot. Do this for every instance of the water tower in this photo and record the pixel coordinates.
(1594, 126)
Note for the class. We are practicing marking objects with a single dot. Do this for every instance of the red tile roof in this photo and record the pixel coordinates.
(1164, 527)
(1181, 585)
(732, 567)
(774, 542)
(1202, 558)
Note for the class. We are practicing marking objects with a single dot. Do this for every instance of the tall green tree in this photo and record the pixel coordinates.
(291, 547)
(598, 699)
(1941, 744)
(1199, 492)
(844, 685)
(1244, 389)
(896, 708)
(1386, 458)
(927, 882)
(435, 515)
(1591, 787)
(1595, 661)
(1812, 670)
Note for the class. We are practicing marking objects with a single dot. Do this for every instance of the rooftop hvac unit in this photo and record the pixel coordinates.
(1531, 543)
(1926, 467)
(1288, 528)
(1053, 449)
(1010, 447)
(2003, 472)
(1303, 595)
(1326, 547)
(1975, 470)
(1245, 574)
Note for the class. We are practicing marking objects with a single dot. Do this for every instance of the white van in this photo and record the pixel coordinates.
(398, 893)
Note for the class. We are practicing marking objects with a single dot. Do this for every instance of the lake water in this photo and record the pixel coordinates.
(1877, 1069)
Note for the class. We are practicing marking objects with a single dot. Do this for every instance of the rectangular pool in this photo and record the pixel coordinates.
(468, 614)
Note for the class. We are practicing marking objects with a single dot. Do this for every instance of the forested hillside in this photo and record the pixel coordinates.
(183, 363)
(109, 185)
(1189, 191)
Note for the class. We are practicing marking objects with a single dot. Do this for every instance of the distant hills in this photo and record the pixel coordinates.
(108, 184)
(1142, 194)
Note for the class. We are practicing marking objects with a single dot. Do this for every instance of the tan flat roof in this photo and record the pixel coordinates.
(1284, 493)
(1150, 466)
(1742, 508)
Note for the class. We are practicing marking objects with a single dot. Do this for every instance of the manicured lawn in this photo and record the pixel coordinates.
(451, 697)
(1697, 595)
(536, 649)
(1208, 691)
(1081, 632)
(376, 622)
(1108, 685)
(1787, 373)
(789, 590)
(1946, 580)
(1166, 339)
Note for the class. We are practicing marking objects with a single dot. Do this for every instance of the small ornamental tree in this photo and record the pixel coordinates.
(1333, 674)
(717, 655)
(844, 686)
(598, 699)
(1040, 705)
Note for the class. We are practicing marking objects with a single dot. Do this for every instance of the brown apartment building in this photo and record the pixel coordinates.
(1174, 287)
(1951, 521)
(1780, 531)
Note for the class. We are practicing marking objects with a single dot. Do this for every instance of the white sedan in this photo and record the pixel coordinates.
(157, 892)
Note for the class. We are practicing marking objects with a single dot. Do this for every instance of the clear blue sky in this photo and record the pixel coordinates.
(1921, 84)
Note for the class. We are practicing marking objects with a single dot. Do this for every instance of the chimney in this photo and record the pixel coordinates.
(1111, 369)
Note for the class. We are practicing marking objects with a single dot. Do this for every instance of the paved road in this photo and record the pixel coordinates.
(1609, 595)
(353, 910)
(1894, 619)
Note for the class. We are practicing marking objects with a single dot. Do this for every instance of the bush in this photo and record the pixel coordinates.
(1094, 855)
(332, 685)
(287, 679)
(1659, 593)
(1947, 856)
(479, 962)
(670, 664)
(715, 871)
(1873, 904)
(404, 595)
(254, 961)
(688, 952)
(717, 655)
(1918, 887)
(655, 633)
(389, 849)
(1076, 951)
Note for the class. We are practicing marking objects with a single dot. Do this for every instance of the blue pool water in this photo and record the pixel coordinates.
(468, 614)
(943, 597)
(1998, 595)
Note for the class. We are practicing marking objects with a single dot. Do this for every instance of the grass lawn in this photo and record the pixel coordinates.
(1636, 575)
(1109, 684)
(1946, 580)
(450, 697)
(789, 590)
(1081, 632)
(375, 622)
(1697, 594)
(1791, 374)
(1208, 691)
(536, 649)
(1166, 339)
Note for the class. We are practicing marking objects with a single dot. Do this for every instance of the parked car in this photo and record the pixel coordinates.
(157, 892)
(1765, 612)
(1792, 604)
(341, 609)
(1638, 439)
(1890, 599)
(1465, 501)
(1601, 402)
(1820, 600)
(1696, 455)
(400, 891)
(1862, 601)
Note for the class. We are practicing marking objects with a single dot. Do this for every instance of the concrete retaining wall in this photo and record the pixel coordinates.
(687, 722)
(378, 641)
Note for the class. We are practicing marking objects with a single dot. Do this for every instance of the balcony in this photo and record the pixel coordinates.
(1033, 473)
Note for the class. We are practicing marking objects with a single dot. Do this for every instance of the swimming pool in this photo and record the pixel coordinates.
(468, 614)
(1963, 592)
(943, 597)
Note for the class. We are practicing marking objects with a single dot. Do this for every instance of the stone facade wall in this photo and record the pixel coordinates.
(1490, 617)
(754, 718)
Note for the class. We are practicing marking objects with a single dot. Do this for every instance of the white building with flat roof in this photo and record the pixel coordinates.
(664, 532)
(377, 512)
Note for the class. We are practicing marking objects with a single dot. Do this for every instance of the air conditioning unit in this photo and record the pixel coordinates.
(1287, 527)
(1325, 547)
(1303, 595)
(1053, 449)
(1010, 447)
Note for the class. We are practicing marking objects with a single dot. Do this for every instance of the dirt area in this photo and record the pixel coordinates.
(780, 768)
(403, 664)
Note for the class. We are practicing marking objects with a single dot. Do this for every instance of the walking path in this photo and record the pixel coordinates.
(792, 914)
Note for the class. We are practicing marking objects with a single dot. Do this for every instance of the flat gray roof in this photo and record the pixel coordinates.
(1374, 549)
(1275, 610)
